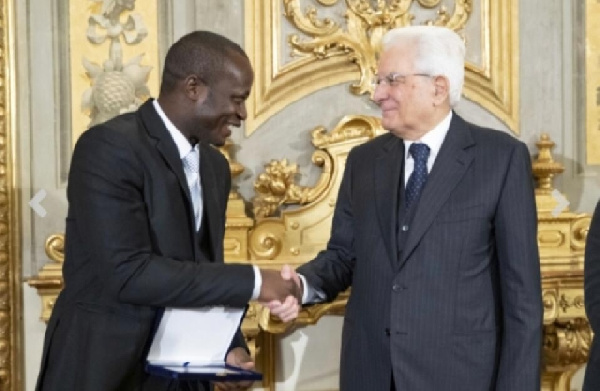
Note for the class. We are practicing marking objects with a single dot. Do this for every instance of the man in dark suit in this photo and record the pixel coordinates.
(435, 230)
(591, 381)
(145, 226)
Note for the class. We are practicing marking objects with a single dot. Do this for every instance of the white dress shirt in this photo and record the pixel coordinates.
(433, 139)
(184, 147)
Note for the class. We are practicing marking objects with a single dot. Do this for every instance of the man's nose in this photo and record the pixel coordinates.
(242, 113)
(379, 94)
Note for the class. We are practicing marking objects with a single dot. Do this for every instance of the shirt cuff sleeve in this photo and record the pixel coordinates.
(257, 283)
(310, 294)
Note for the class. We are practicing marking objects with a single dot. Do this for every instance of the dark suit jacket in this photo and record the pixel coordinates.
(131, 249)
(461, 308)
(592, 300)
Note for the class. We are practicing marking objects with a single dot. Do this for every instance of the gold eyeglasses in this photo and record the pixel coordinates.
(394, 79)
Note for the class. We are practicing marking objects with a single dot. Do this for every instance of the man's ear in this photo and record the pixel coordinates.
(195, 88)
(442, 89)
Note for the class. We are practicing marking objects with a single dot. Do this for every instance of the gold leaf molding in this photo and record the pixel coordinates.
(333, 55)
(11, 343)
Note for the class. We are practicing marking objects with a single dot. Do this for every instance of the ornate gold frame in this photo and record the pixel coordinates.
(592, 77)
(11, 360)
(494, 84)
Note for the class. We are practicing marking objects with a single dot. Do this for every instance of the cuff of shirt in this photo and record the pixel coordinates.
(308, 291)
(310, 294)
(257, 283)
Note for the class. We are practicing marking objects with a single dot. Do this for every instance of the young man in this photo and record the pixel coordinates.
(147, 198)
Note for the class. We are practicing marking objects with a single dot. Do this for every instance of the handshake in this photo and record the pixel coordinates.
(281, 292)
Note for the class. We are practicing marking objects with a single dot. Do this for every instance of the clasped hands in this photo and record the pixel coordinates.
(281, 292)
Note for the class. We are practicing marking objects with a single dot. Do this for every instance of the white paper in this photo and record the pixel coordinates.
(194, 337)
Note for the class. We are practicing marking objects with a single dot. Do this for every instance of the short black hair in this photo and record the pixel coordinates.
(201, 53)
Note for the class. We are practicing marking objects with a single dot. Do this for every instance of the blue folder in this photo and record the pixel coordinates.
(215, 372)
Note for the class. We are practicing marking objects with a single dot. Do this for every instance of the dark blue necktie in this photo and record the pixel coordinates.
(416, 182)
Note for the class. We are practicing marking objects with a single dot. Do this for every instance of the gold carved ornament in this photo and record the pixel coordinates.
(275, 187)
(561, 242)
(49, 281)
(592, 81)
(330, 54)
(237, 223)
(299, 233)
(365, 27)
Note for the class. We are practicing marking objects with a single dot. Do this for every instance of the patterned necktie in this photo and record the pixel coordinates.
(416, 182)
(191, 167)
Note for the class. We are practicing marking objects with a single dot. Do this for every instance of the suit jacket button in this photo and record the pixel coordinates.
(387, 331)
(396, 288)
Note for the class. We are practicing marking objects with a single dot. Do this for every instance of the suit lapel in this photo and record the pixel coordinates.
(210, 196)
(387, 172)
(450, 165)
(168, 150)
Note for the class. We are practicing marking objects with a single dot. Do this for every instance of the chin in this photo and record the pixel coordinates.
(387, 123)
(217, 140)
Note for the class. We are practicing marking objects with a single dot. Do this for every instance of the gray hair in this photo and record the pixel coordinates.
(439, 51)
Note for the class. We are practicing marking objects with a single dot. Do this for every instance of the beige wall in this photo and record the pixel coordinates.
(551, 98)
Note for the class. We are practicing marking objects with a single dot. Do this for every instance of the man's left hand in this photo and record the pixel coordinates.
(237, 357)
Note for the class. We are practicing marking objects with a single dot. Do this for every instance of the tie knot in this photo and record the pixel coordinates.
(191, 161)
(419, 152)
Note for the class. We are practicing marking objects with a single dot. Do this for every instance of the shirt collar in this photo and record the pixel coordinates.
(433, 139)
(183, 145)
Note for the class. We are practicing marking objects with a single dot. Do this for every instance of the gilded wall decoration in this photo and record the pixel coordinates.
(110, 43)
(237, 223)
(10, 281)
(49, 282)
(592, 78)
(276, 186)
(299, 233)
(327, 52)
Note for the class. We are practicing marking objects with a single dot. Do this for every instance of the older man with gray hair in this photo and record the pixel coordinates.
(435, 230)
